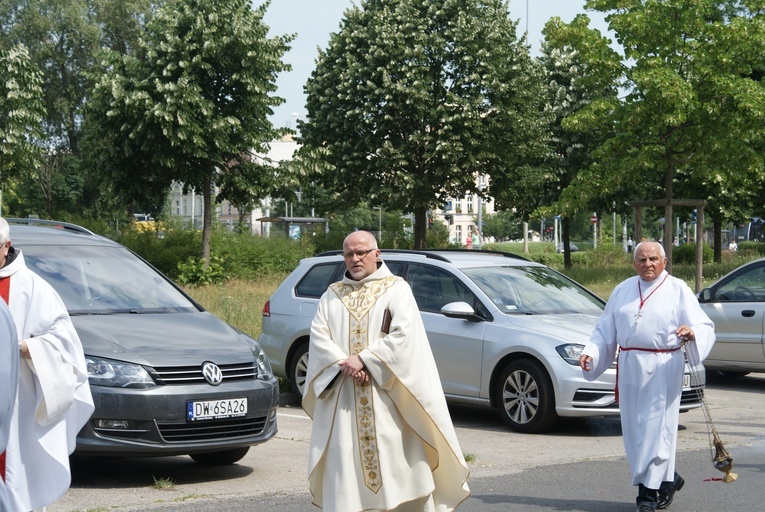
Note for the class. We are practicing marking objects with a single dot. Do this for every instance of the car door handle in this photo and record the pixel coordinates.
(747, 313)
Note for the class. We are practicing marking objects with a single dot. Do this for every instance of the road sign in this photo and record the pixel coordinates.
(594, 219)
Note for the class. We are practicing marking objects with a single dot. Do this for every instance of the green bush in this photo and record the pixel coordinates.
(752, 248)
(194, 273)
(176, 250)
(685, 254)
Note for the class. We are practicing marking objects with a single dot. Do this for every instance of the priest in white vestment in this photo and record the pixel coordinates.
(53, 400)
(9, 380)
(648, 317)
(382, 437)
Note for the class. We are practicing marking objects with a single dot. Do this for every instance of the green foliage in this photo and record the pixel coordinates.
(438, 236)
(503, 225)
(685, 254)
(689, 125)
(752, 248)
(175, 253)
(194, 103)
(250, 257)
(21, 111)
(406, 101)
(194, 272)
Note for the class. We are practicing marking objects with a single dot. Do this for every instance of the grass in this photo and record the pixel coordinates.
(163, 483)
(238, 302)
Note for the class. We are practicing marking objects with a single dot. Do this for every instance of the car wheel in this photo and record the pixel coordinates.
(525, 397)
(299, 369)
(221, 458)
(734, 375)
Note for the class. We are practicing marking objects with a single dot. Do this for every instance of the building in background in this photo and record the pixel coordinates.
(462, 215)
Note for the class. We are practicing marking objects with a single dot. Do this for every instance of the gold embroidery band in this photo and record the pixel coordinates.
(359, 300)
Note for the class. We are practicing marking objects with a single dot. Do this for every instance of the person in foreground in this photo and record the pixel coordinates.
(382, 437)
(648, 317)
(9, 380)
(53, 400)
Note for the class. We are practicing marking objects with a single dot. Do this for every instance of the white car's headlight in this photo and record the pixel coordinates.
(570, 353)
(116, 374)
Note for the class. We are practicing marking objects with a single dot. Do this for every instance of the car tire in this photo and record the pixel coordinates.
(299, 369)
(221, 458)
(525, 397)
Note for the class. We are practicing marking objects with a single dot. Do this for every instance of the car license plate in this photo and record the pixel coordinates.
(687, 380)
(216, 409)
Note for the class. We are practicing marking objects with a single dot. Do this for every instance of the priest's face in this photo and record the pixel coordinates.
(649, 260)
(360, 253)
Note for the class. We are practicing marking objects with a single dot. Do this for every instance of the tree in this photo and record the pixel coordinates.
(198, 104)
(690, 120)
(571, 85)
(413, 98)
(21, 111)
(503, 225)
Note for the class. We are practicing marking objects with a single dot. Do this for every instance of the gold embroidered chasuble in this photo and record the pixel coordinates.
(390, 441)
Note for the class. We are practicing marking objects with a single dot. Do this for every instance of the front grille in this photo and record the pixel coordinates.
(692, 396)
(193, 374)
(213, 429)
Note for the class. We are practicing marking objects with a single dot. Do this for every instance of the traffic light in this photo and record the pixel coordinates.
(430, 222)
(693, 216)
(449, 218)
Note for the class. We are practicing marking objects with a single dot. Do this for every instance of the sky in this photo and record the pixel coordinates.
(314, 20)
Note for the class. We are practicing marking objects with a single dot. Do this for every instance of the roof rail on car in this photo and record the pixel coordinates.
(429, 253)
(68, 226)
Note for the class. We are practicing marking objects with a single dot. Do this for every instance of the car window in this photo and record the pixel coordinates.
(317, 280)
(747, 286)
(396, 267)
(533, 290)
(433, 288)
(102, 280)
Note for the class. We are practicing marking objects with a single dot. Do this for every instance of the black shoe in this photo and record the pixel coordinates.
(665, 499)
(645, 508)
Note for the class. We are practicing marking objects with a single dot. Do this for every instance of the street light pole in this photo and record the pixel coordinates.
(481, 186)
(379, 224)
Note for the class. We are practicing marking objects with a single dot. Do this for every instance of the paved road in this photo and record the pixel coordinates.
(578, 467)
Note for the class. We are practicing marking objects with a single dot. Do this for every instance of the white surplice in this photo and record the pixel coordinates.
(53, 399)
(9, 379)
(389, 444)
(649, 383)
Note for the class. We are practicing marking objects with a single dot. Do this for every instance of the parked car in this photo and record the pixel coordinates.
(506, 332)
(736, 304)
(571, 246)
(167, 377)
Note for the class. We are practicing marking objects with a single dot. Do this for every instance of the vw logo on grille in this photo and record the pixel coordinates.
(212, 373)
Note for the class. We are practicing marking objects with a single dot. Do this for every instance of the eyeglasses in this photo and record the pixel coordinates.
(359, 254)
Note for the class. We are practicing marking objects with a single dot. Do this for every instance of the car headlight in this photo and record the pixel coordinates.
(264, 365)
(570, 353)
(116, 374)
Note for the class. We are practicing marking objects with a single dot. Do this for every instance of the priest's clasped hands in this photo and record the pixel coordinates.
(354, 367)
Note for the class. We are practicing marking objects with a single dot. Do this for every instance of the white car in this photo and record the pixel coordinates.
(506, 332)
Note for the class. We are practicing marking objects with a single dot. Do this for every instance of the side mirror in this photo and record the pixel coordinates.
(461, 310)
(705, 295)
